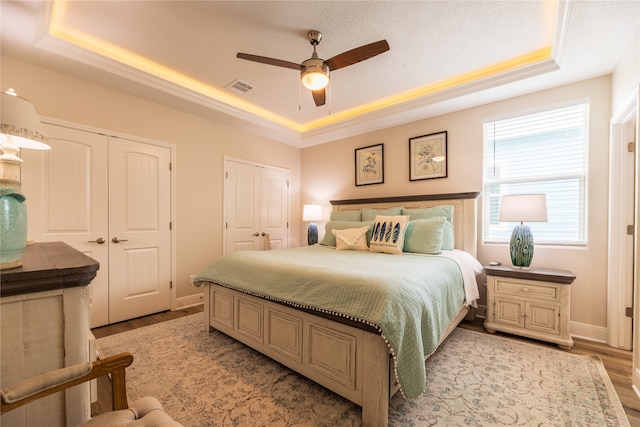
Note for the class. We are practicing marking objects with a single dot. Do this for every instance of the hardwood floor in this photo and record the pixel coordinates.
(617, 362)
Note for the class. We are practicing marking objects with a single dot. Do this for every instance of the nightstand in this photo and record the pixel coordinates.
(533, 303)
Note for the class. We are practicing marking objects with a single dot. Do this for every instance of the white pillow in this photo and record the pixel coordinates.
(388, 234)
(351, 238)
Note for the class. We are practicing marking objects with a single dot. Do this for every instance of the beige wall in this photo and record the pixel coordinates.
(200, 146)
(328, 173)
(626, 76)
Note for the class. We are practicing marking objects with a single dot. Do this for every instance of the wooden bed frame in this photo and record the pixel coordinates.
(349, 360)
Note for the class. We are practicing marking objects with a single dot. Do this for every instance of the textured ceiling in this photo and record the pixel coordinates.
(443, 55)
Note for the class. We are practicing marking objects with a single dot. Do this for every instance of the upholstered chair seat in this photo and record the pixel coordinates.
(145, 412)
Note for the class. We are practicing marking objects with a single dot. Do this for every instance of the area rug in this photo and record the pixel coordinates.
(474, 379)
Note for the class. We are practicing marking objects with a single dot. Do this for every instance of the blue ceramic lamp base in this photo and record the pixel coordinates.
(312, 234)
(521, 247)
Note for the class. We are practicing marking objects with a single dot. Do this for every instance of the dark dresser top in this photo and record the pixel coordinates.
(48, 266)
(564, 277)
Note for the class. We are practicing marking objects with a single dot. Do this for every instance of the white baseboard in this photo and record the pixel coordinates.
(635, 389)
(589, 332)
(190, 301)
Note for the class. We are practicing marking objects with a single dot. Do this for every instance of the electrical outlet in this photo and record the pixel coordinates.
(192, 278)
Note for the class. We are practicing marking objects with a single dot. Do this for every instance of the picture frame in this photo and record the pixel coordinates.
(369, 166)
(428, 156)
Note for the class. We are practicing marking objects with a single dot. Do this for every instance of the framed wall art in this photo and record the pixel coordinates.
(370, 165)
(428, 156)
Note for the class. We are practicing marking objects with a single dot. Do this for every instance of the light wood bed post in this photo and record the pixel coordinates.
(375, 399)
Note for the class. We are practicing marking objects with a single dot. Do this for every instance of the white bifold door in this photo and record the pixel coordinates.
(256, 207)
(110, 198)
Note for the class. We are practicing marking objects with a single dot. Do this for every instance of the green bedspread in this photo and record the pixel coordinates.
(410, 298)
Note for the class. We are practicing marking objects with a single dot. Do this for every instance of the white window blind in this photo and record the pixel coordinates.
(544, 152)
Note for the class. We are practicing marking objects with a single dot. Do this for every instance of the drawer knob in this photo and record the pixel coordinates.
(525, 289)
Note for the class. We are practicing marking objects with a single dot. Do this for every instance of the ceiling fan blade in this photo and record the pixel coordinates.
(269, 61)
(319, 97)
(356, 55)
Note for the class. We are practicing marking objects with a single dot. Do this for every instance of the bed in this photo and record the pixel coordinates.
(285, 304)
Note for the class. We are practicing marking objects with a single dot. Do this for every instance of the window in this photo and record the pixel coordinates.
(544, 152)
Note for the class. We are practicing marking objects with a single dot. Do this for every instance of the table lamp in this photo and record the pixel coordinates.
(20, 127)
(312, 213)
(521, 208)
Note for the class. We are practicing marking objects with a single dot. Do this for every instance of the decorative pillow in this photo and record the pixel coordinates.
(448, 239)
(433, 212)
(370, 214)
(329, 238)
(388, 234)
(346, 216)
(424, 236)
(352, 238)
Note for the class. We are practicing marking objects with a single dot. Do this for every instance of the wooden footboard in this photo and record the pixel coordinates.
(351, 362)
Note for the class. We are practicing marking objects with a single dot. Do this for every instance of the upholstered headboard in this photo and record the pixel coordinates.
(465, 216)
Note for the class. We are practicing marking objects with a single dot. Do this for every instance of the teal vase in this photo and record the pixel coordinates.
(13, 228)
(521, 246)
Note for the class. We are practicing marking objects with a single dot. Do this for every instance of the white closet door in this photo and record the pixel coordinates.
(274, 210)
(66, 190)
(256, 207)
(70, 198)
(242, 207)
(139, 229)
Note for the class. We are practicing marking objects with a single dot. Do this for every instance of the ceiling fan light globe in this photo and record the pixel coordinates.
(315, 81)
(315, 76)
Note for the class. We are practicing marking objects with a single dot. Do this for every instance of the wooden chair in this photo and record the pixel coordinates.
(148, 410)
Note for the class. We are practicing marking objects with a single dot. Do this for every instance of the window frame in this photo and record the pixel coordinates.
(491, 199)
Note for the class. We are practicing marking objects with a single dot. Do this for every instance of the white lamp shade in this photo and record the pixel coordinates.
(312, 212)
(523, 208)
(19, 123)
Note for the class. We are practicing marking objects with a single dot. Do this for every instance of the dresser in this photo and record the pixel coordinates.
(533, 303)
(44, 325)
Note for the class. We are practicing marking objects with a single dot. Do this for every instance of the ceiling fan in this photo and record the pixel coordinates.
(314, 72)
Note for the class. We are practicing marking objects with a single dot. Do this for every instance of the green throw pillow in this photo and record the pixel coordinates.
(370, 214)
(346, 216)
(446, 211)
(425, 236)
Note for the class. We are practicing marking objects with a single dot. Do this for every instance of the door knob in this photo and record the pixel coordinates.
(256, 234)
(116, 240)
(99, 241)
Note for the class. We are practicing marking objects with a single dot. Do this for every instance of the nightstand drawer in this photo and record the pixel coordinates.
(524, 288)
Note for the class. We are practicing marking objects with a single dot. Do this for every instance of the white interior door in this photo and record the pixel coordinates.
(91, 188)
(274, 202)
(139, 229)
(256, 207)
(242, 207)
(66, 190)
